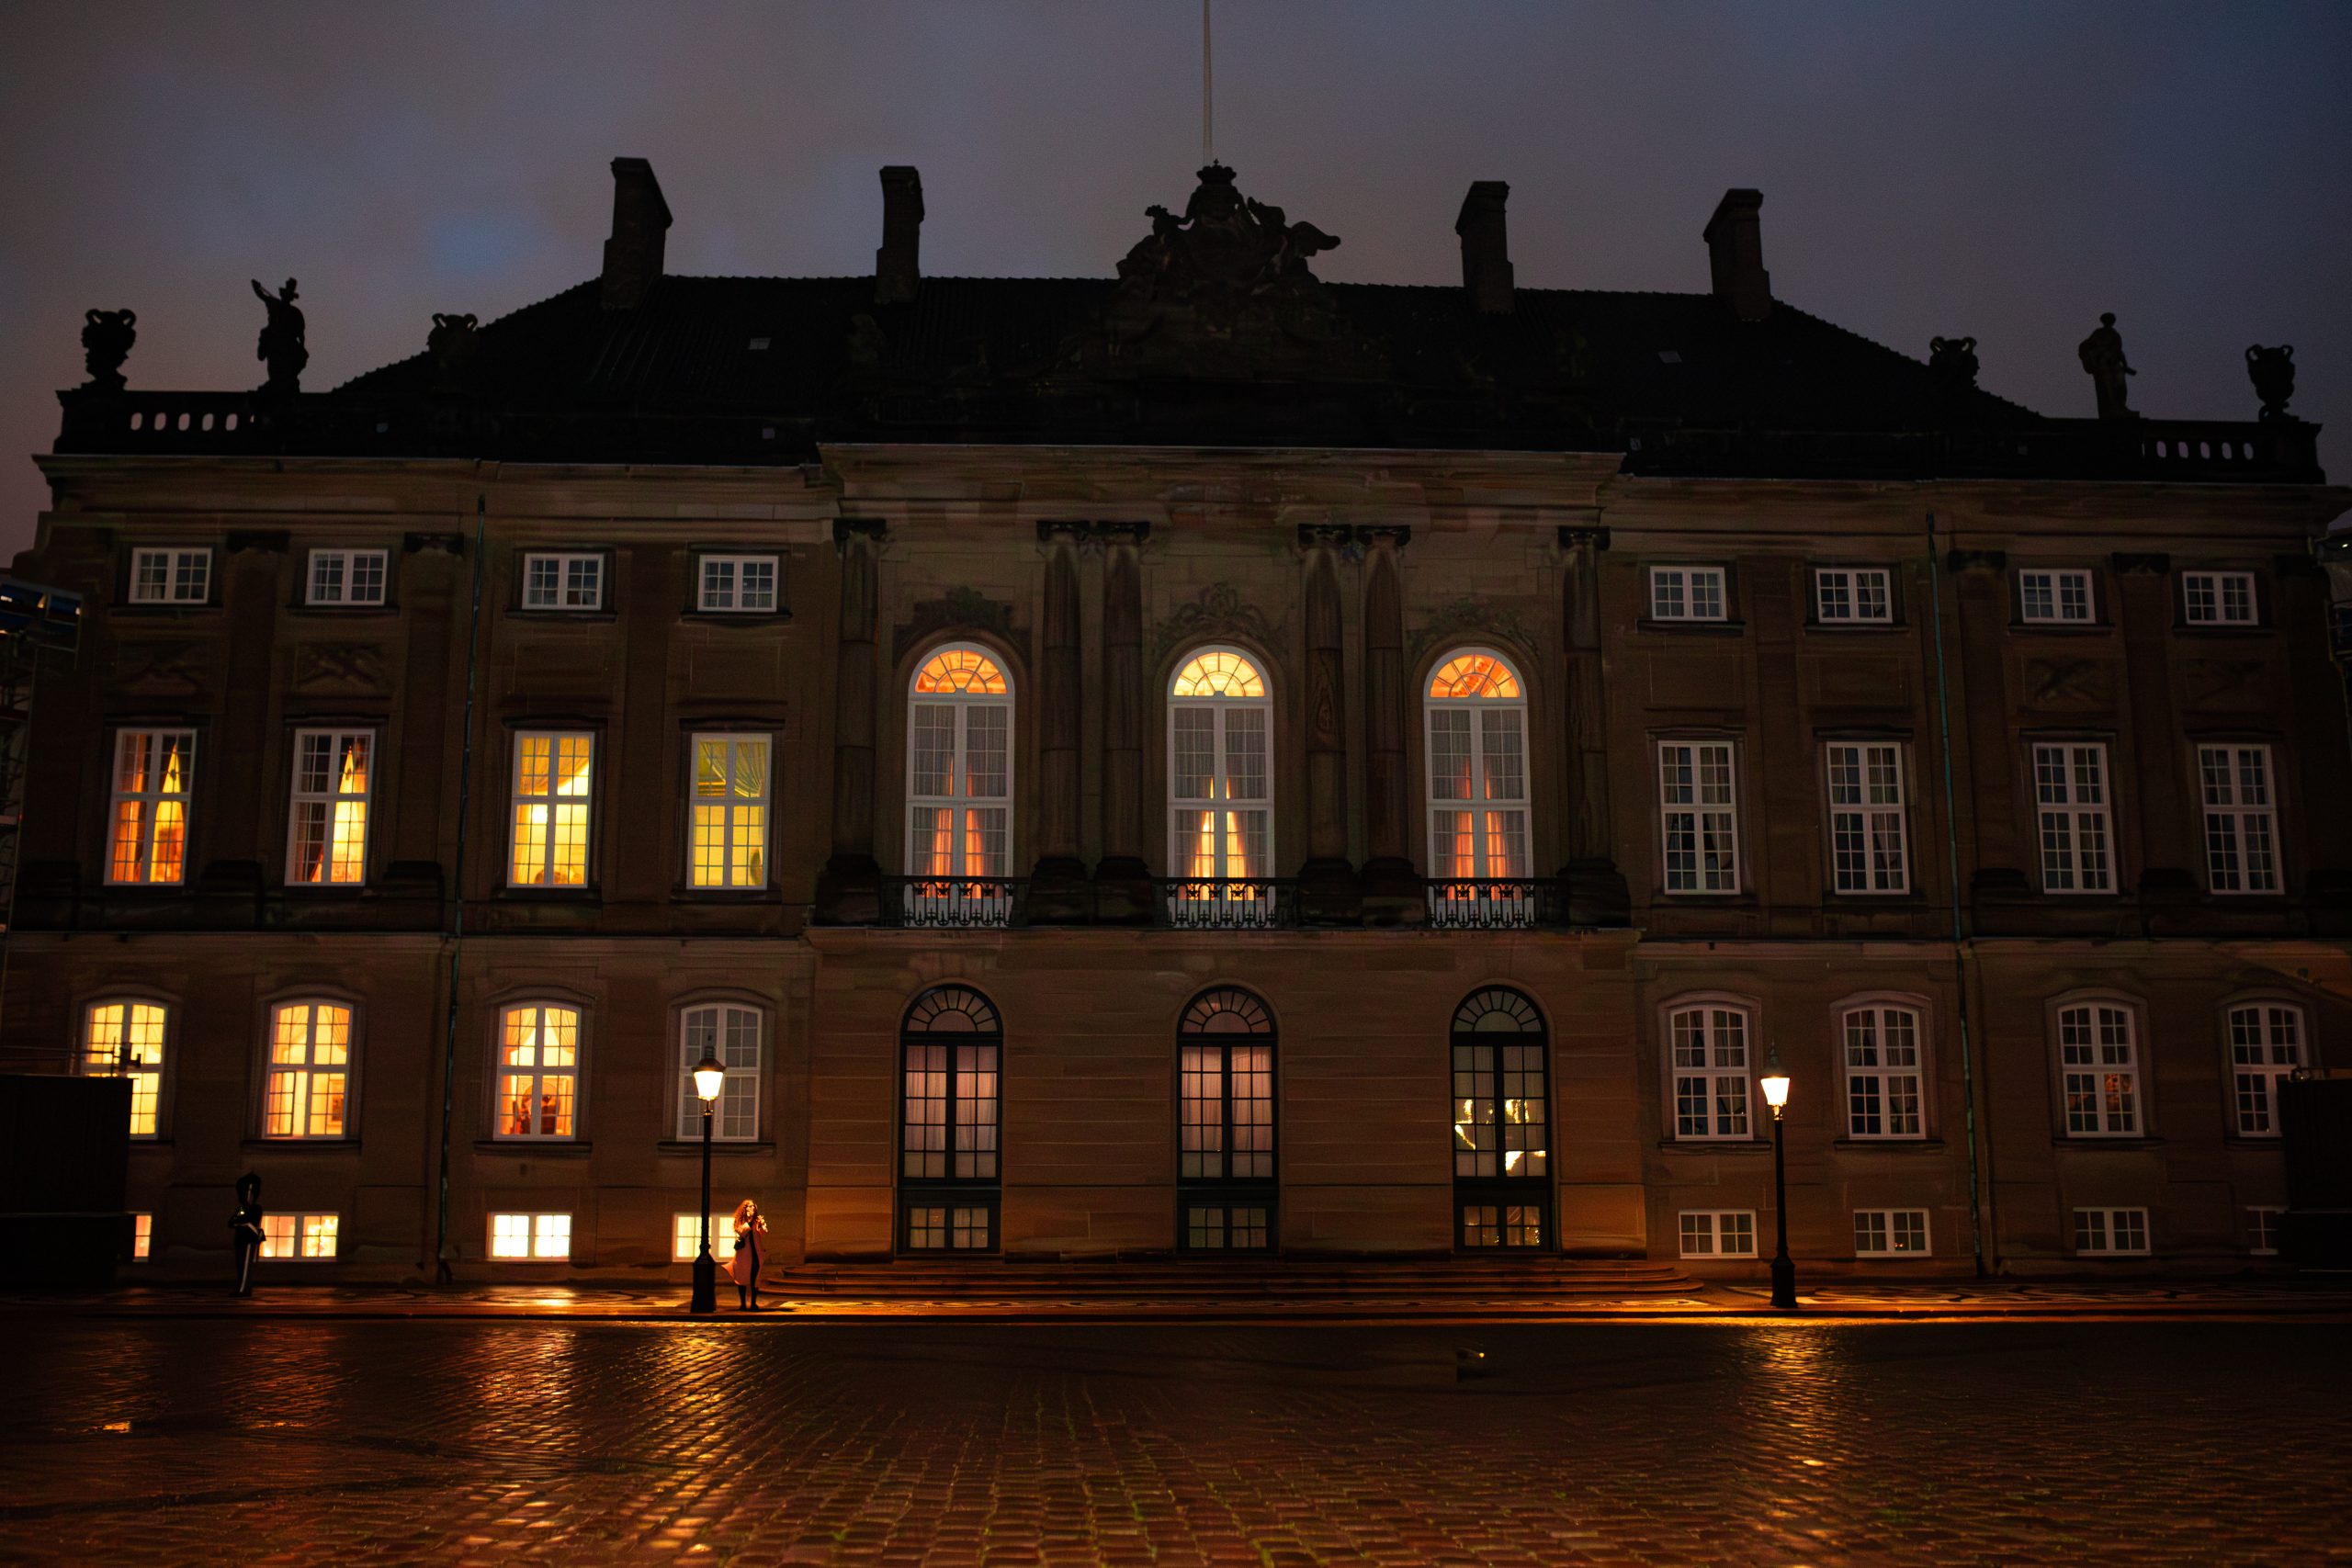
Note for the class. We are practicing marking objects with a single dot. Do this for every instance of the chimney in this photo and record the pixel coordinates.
(1736, 255)
(1486, 252)
(640, 220)
(896, 269)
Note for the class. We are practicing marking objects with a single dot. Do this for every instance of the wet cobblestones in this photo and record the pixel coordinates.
(286, 1441)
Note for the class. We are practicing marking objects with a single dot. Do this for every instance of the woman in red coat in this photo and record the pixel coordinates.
(744, 1266)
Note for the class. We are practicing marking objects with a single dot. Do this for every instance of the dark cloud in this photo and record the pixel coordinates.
(2007, 172)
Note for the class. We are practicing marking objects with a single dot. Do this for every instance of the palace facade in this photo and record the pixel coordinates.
(1203, 763)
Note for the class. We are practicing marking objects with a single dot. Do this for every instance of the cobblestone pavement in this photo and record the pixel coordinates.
(286, 1441)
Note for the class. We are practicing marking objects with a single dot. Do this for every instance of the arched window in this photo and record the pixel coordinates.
(1502, 1121)
(125, 1038)
(1885, 1057)
(730, 1032)
(1225, 1113)
(309, 1064)
(2265, 1049)
(538, 1072)
(959, 789)
(1220, 791)
(2099, 1067)
(949, 1047)
(1476, 713)
(1710, 1065)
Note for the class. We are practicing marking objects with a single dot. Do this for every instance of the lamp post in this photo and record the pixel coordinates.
(1775, 1085)
(710, 1077)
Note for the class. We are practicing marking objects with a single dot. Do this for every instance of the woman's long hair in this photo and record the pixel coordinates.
(746, 1212)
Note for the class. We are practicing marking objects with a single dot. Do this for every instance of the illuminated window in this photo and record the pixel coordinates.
(1709, 1055)
(152, 768)
(2218, 598)
(1852, 595)
(2098, 1063)
(2070, 796)
(1718, 1233)
(1688, 594)
(949, 1047)
(1699, 815)
(2111, 1231)
(1478, 735)
(1502, 1117)
(309, 1056)
(2241, 822)
(685, 1238)
(1220, 787)
(301, 1237)
(126, 1040)
(731, 1034)
(2266, 1050)
(959, 775)
(564, 582)
(1868, 838)
(737, 584)
(536, 1239)
(1887, 1233)
(143, 1237)
(327, 832)
(538, 1072)
(554, 774)
(731, 811)
(346, 577)
(1884, 1097)
(2061, 598)
(1224, 1117)
(171, 577)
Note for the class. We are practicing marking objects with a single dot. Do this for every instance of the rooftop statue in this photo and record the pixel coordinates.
(451, 344)
(2272, 371)
(2102, 357)
(1953, 361)
(281, 347)
(106, 337)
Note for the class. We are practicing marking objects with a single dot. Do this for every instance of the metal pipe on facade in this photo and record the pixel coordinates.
(441, 1273)
(1958, 933)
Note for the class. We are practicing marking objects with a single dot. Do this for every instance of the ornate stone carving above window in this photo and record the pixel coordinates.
(162, 667)
(960, 609)
(349, 665)
(1474, 620)
(1216, 611)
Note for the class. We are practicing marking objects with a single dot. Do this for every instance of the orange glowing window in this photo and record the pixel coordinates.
(1220, 779)
(731, 811)
(310, 1060)
(1475, 675)
(1477, 774)
(126, 1040)
(959, 772)
(554, 776)
(1219, 672)
(151, 774)
(965, 671)
(538, 1072)
(327, 830)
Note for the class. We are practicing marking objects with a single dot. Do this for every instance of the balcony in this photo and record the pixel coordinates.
(1494, 903)
(961, 903)
(1218, 903)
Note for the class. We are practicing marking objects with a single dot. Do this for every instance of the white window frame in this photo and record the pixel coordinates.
(316, 1067)
(1709, 1032)
(1690, 818)
(148, 805)
(741, 820)
(142, 1062)
(736, 1033)
(312, 1234)
(722, 585)
(1882, 1086)
(2074, 816)
(540, 1072)
(551, 802)
(568, 586)
(2266, 1048)
(2262, 1224)
(968, 811)
(2091, 1060)
(685, 1238)
(1853, 595)
(1717, 1232)
(1498, 822)
(1227, 904)
(332, 577)
(2102, 1231)
(172, 575)
(329, 808)
(2237, 785)
(533, 1237)
(2219, 599)
(1865, 783)
(2057, 596)
(1693, 593)
(1879, 1233)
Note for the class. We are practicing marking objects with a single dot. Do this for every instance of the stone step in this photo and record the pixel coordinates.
(1226, 1279)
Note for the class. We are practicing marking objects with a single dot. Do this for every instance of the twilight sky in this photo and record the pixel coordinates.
(2005, 170)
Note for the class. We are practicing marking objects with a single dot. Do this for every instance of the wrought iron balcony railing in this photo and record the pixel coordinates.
(1493, 903)
(1224, 903)
(954, 903)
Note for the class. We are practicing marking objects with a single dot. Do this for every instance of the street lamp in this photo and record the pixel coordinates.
(710, 1077)
(1775, 1084)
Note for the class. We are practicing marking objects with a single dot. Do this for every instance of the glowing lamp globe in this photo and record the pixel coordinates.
(710, 1077)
